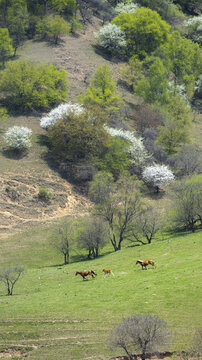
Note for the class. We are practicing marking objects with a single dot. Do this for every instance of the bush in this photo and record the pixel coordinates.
(62, 110)
(112, 38)
(125, 8)
(157, 176)
(194, 27)
(30, 86)
(145, 30)
(45, 194)
(18, 138)
(53, 27)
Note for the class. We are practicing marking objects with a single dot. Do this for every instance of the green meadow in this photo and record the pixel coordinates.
(54, 314)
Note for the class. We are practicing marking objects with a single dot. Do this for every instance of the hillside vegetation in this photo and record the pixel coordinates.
(101, 166)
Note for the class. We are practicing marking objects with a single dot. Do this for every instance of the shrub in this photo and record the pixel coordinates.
(54, 115)
(194, 27)
(157, 176)
(112, 38)
(44, 194)
(144, 29)
(53, 27)
(125, 8)
(30, 86)
(136, 149)
(18, 138)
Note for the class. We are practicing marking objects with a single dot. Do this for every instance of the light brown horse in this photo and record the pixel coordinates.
(107, 272)
(86, 273)
(145, 263)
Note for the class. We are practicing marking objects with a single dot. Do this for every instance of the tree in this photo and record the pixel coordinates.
(30, 86)
(123, 7)
(67, 6)
(102, 91)
(190, 6)
(144, 29)
(112, 39)
(93, 236)
(6, 48)
(79, 136)
(18, 138)
(194, 28)
(63, 240)
(101, 187)
(53, 27)
(17, 20)
(187, 200)
(175, 131)
(120, 210)
(183, 58)
(146, 117)
(157, 176)
(188, 160)
(139, 334)
(56, 114)
(154, 87)
(148, 224)
(10, 275)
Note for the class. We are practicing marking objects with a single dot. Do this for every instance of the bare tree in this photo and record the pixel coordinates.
(10, 275)
(189, 160)
(62, 240)
(139, 335)
(93, 236)
(148, 224)
(120, 210)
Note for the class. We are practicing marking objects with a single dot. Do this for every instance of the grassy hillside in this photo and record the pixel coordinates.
(55, 315)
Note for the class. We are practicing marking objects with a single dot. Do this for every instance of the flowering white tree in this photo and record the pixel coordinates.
(18, 137)
(194, 26)
(137, 151)
(157, 176)
(54, 115)
(112, 38)
(125, 8)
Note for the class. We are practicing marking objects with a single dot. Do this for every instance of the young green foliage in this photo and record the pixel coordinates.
(52, 27)
(29, 86)
(6, 48)
(17, 20)
(102, 91)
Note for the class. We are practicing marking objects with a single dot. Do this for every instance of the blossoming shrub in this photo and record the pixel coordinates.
(136, 150)
(63, 109)
(157, 175)
(18, 138)
(125, 8)
(112, 39)
(194, 26)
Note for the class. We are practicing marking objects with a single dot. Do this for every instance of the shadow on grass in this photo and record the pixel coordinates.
(43, 140)
(13, 154)
(107, 56)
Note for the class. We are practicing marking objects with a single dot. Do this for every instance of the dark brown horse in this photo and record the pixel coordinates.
(145, 263)
(86, 273)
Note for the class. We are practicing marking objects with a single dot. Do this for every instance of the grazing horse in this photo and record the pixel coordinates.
(107, 272)
(86, 273)
(145, 263)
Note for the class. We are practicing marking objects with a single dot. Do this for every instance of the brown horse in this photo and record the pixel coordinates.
(107, 272)
(86, 273)
(145, 263)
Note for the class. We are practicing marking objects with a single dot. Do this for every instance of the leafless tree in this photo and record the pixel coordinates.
(62, 240)
(148, 224)
(93, 236)
(10, 275)
(188, 161)
(139, 335)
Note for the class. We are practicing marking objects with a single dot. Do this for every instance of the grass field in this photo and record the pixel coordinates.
(55, 315)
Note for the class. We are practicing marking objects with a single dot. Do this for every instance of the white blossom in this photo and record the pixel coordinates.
(54, 115)
(157, 175)
(125, 8)
(194, 26)
(112, 38)
(18, 137)
(137, 151)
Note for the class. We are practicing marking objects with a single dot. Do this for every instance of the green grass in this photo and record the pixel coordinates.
(61, 316)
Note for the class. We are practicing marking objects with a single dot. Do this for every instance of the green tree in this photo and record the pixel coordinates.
(29, 86)
(154, 87)
(6, 48)
(102, 91)
(116, 160)
(183, 58)
(168, 11)
(53, 27)
(190, 6)
(67, 6)
(17, 20)
(177, 123)
(79, 136)
(144, 29)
